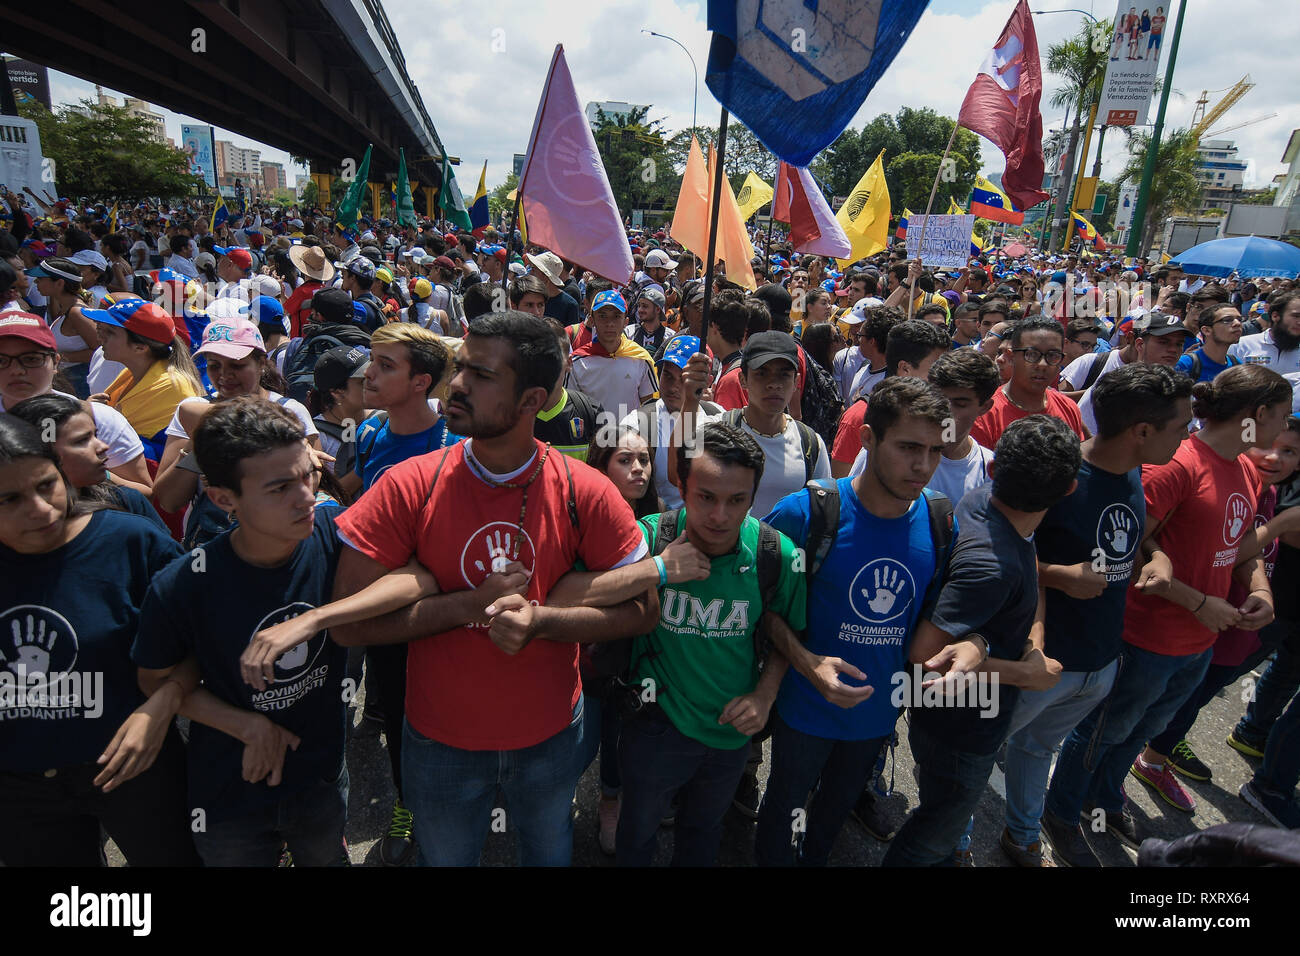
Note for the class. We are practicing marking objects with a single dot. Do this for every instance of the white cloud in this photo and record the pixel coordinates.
(483, 102)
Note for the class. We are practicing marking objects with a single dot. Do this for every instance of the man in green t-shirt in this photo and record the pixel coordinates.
(703, 684)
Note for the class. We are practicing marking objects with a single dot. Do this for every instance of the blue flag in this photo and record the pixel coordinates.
(796, 71)
(219, 213)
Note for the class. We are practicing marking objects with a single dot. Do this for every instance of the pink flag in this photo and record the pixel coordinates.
(1002, 106)
(813, 227)
(567, 201)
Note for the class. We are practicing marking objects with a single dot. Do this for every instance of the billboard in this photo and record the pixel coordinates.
(30, 81)
(1249, 220)
(199, 144)
(1128, 197)
(1131, 71)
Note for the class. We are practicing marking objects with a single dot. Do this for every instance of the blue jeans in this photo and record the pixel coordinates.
(1280, 771)
(603, 724)
(310, 821)
(1149, 689)
(949, 784)
(1039, 723)
(1277, 685)
(799, 762)
(657, 761)
(452, 795)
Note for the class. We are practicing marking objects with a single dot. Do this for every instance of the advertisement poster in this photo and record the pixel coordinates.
(1131, 71)
(199, 145)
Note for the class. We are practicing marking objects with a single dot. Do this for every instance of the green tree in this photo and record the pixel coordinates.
(636, 159)
(1080, 62)
(498, 203)
(310, 193)
(1174, 186)
(107, 153)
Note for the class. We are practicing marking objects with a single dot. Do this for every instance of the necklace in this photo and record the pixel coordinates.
(1006, 390)
(776, 434)
(499, 562)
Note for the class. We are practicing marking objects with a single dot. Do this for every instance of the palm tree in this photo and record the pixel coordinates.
(1174, 186)
(1081, 66)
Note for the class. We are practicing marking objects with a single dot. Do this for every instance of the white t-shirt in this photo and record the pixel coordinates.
(102, 372)
(845, 367)
(112, 428)
(1260, 349)
(139, 254)
(176, 430)
(183, 266)
(954, 476)
(1072, 378)
(865, 381)
(1293, 378)
(784, 472)
(658, 434)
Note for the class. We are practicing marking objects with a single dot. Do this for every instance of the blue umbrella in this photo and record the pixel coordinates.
(1248, 256)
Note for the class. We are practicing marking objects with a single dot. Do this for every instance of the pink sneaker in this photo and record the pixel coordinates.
(1164, 783)
(607, 814)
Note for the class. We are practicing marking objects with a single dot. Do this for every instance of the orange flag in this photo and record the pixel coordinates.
(691, 220)
(734, 247)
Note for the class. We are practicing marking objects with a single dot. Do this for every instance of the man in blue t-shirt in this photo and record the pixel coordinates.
(834, 710)
(266, 764)
(981, 636)
(406, 364)
(1221, 328)
(1087, 549)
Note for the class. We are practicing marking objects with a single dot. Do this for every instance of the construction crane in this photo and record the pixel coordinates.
(1202, 118)
(1229, 129)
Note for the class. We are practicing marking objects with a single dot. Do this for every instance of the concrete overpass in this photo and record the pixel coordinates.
(320, 79)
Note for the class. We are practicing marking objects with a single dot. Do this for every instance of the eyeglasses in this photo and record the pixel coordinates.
(1033, 356)
(26, 360)
(1227, 321)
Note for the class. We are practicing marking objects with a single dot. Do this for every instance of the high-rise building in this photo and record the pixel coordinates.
(613, 109)
(1219, 172)
(273, 177)
(242, 164)
(136, 107)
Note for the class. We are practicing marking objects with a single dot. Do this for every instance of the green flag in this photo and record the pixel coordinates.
(405, 205)
(450, 200)
(349, 209)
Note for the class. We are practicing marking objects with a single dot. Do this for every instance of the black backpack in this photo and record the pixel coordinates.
(824, 526)
(1099, 360)
(300, 355)
(808, 442)
(820, 405)
(1195, 353)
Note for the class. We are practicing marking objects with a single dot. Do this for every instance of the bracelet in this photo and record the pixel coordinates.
(663, 572)
(1204, 598)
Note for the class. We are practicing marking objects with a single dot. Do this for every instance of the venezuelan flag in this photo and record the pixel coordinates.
(901, 231)
(112, 219)
(478, 210)
(1086, 229)
(989, 202)
(219, 214)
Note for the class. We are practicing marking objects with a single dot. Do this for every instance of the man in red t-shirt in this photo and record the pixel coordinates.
(316, 269)
(493, 695)
(1199, 507)
(1037, 350)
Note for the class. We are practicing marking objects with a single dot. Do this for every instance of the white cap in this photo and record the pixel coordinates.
(858, 313)
(658, 259)
(89, 257)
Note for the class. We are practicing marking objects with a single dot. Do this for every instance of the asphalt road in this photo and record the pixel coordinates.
(1217, 802)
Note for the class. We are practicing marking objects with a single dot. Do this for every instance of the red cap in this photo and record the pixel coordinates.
(241, 258)
(24, 325)
(500, 256)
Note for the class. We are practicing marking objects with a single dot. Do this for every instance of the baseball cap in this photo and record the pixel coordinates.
(764, 347)
(362, 268)
(136, 315)
(693, 292)
(89, 257)
(858, 313)
(658, 259)
(415, 252)
(38, 248)
(24, 325)
(265, 310)
(240, 257)
(205, 260)
(47, 271)
(656, 296)
(334, 305)
(444, 262)
(231, 338)
(1159, 323)
(337, 365)
(608, 297)
(421, 288)
(263, 285)
(384, 274)
(680, 349)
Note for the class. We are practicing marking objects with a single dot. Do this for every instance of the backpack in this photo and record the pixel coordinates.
(1099, 360)
(824, 526)
(1195, 353)
(300, 356)
(346, 456)
(821, 405)
(808, 442)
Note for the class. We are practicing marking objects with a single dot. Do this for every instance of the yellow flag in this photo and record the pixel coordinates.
(865, 214)
(954, 209)
(754, 195)
(691, 217)
(734, 247)
(523, 226)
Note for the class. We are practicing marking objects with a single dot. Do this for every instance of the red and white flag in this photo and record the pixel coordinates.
(1002, 106)
(567, 200)
(813, 227)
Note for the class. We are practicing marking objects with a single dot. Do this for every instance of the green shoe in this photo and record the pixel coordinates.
(398, 847)
(1184, 761)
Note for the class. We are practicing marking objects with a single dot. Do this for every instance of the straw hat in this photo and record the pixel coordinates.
(312, 262)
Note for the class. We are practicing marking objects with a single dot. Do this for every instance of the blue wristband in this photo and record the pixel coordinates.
(663, 572)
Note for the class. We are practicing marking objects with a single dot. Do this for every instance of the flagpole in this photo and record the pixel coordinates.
(510, 239)
(713, 229)
(911, 299)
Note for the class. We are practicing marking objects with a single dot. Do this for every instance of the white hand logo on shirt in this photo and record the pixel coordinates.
(498, 547)
(1117, 537)
(295, 656)
(33, 648)
(1238, 513)
(888, 586)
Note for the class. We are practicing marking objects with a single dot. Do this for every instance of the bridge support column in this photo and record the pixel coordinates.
(374, 200)
(323, 183)
(430, 199)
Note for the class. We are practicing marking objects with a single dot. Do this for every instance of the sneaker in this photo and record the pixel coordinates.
(1185, 762)
(1245, 745)
(607, 814)
(1277, 809)
(962, 858)
(1123, 826)
(1069, 845)
(286, 857)
(399, 845)
(1164, 783)
(1030, 855)
(747, 797)
(869, 812)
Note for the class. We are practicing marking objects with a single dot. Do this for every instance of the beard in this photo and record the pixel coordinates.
(485, 428)
(1285, 340)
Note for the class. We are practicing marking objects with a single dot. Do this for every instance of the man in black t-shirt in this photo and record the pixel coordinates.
(570, 419)
(981, 637)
